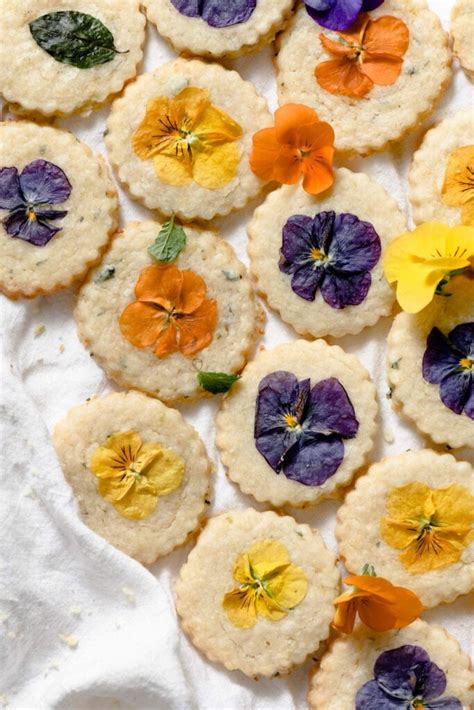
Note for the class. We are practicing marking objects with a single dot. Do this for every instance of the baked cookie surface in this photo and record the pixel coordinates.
(462, 30)
(270, 641)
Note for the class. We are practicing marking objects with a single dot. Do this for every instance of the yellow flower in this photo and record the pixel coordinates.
(269, 585)
(431, 525)
(132, 475)
(424, 260)
(458, 188)
(189, 139)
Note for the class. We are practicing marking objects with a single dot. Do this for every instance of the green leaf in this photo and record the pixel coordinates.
(74, 38)
(169, 243)
(216, 382)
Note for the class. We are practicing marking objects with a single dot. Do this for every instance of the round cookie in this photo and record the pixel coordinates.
(462, 30)
(110, 290)
(430, 168)
(298, 424)
(276, 224)
(180, 504)
(70, 74)
(185, 175)
(309, 582)
(391, 488)
(417, 398)
(359, 653)
(58, 208)
(216, 31)
(385, 113)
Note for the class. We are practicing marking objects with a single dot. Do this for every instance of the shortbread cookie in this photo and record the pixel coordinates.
(462, 30)
(318, 260)
(256, 592)
(442, 173)
(205, 315)
(215, 29)
(430, 365)
(419, 69)
(400, 517)
(139, 471)
(180, 139)
(58, 208)
(298, 424)
(62, 56)
(373, 671)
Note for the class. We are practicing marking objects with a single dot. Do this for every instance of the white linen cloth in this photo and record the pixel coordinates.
(82, 626)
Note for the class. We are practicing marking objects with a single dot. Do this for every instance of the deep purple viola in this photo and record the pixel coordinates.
(405, 678)
(299, 430)
(28, 198)
(217, 13)
(449, 362)
(338, 14)
(332, 252)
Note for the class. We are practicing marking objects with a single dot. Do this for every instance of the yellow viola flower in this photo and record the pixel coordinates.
(458, 187)
(133, 475)
(189, 139)
(270, 585)
(423, 261)
(431, 525)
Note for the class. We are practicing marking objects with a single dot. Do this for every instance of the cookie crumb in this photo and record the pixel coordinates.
(388, 436)
(39, 330)
(130, 594)
(71, 640)
(75, 610)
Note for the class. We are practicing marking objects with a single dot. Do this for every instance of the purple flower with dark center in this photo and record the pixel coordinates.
(338, 14)
(333, 252)
(299, 430)
(405, 678)
(217, 13)
(29, 197)
(449, 363)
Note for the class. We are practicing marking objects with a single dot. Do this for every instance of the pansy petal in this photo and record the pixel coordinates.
(289, 587)
(440, 358)
(141, 324)
(371, 697)
(240, 607)
(193, 292)
(394, 669)
(318, 174)
(381, 616)
(266, 557)
(340, 290)
(167, 341)
(46, 215)
(10, 193)
(455, 390)
(195, 330)
(417, 286)
(355, 245)
(274, 444)
(242, 572)
(313, 137)
(458, 188)
(287, 166)
(343, 76)
(44, 182)
(467, 213)
(215, 126)
(173, 170)
(469, 405)
(137, 504)
(462, 336)
(345, 615)
(277, 394)
(314, 459)
(369, 5)
(447, 703)
(191, 103)
(166, 472)
(161, 284)
(268, 607)
(296, 238)
(338, 15)
(291, 117)
(34, 231)
(336, 46)
(420, 559)
(387, 35)
(330, 410)
(152, 135)
(217, 166)
(216, 13)
(382, 69)
(265, 150)
(307, 279)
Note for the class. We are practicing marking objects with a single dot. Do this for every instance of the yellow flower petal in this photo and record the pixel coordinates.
(172, 170)
(215, 127)
(191, 103)
(468, 213)
(150, 138)
(458, 187)
(454, 507)
(163, 468)
(442, 554)
(119, 450)
(289, 587)
(136, 503)
(240, 607)
(268, 608)
(266, 557)
(216, 166)
(409, 502)
(242, 572)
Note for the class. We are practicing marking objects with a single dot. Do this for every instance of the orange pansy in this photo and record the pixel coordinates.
(370, 53)
(299, 144)
(171, 312)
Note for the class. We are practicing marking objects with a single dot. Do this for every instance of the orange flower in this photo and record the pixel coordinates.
(371, 53)
(299, 144)
(380, 605)
(171, 312)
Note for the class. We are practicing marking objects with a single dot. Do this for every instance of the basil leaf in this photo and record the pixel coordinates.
(216, 382)
(169, 243)
(74, 38)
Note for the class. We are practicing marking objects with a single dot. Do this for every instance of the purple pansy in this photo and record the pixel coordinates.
(338, 14)
(29, 197)
(405, 678)
(299, 430)
(217, 13)
(449, 362)
(333, 252)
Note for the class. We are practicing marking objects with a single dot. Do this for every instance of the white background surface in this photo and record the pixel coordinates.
(58, 578)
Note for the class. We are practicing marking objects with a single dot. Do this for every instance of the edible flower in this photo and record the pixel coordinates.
(458, 187)
(215, 12)
(380, 605)
(333, 252)
(423, 261)
(28, 197)
(269, 585)
(431, 525)
(405, 677)
(370, 53)
(133, 475)
(298, 145)
(449, 362)
(338, 14)
(189, 139)
(171, 312)
(299, 430)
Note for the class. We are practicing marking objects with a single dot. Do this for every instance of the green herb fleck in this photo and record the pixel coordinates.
(216, 382)
(396, 365)
(231, 275)
(368, 570)
(299, 533)
(105, 274)
(169, 243)
(389, 393)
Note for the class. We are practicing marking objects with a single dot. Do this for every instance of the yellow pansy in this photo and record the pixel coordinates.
(431, 525)
(189, 139)
(422, 261)
(132, 475)
(270, 585)
(458, 188)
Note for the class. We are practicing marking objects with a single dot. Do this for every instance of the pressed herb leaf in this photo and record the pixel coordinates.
(169, 243)
(74, 38)
(216, 382)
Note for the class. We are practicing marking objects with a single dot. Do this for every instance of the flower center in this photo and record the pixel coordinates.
(30, 213)
(317, 254)
(291, 421)
(467, 363)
